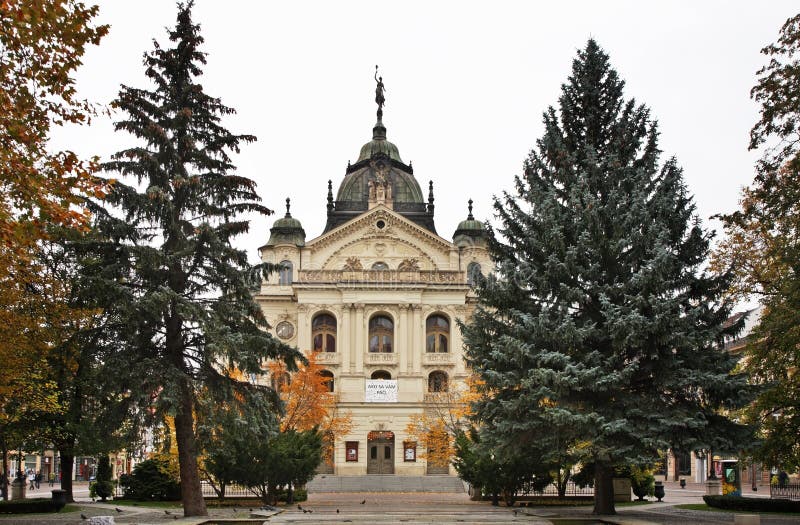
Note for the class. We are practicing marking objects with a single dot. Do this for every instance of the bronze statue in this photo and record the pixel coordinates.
(379, 91)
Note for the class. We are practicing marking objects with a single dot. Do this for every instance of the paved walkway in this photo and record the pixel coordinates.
(409, 507)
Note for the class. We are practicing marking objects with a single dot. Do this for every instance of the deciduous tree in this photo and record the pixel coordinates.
(762, 249)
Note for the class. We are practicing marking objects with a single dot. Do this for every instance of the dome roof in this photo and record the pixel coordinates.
(287, 230)
(470, 230)
(379, 144)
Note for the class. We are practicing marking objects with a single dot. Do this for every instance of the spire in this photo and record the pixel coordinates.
(469, 207)
(330, 194)
(288, 203)
(430, 196)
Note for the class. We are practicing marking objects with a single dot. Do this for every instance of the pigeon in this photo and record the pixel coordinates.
(118, 509)
(515, 512)
(84, 516)
(337, 511)
(299, 507)
(174, 517)
(363, 501)
(251, 510)
(167, 512)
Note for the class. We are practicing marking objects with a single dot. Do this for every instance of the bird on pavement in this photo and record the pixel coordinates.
(363, 501)
(167, 512)
(84, 517)
(337, 511)
(299, 507)
(118, 509)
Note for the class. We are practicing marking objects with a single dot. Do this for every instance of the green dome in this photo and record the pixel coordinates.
(379, 144)
(287, 230)
(470, 231)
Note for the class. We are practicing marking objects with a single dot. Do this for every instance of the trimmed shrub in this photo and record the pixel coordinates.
(151, 481)
(752, 504)
(103, 487)
(29, 506)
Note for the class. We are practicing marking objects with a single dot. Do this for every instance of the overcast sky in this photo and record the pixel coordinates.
(466, 85)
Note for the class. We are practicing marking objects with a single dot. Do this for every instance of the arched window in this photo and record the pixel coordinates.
(380, 266)
(323, 333)
(473, 273)
(437, 381)
(381, 334)
(437, 334)
(327, 379)
(380, 374)
(285, 275)
(280, 381)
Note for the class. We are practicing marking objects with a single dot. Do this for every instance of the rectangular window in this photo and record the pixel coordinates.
(351, 450)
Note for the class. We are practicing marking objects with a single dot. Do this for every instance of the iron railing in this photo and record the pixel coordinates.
(785, 491)
(552, 490)
(231, 491)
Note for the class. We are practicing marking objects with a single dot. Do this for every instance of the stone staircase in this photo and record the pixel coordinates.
(385, 483)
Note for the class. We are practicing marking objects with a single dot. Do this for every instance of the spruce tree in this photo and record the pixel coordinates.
(188, 323)
(602, 322)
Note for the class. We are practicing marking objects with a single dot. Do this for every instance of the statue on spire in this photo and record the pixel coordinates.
(380, 99)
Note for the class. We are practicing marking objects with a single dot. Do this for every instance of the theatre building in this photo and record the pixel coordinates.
(377, 295)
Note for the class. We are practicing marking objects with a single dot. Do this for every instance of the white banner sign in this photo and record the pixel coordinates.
(381, 391)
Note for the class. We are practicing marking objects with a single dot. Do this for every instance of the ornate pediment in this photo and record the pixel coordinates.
(379, 235)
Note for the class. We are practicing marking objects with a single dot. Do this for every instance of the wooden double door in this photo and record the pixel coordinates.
(380, 456)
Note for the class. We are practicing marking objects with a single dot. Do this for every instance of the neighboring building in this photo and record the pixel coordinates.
(377, 295)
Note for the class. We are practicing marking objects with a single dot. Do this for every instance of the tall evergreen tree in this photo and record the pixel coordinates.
(187, 320)
(602, 319)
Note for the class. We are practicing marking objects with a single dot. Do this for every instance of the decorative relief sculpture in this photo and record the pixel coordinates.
(352, 264)
(409, 265)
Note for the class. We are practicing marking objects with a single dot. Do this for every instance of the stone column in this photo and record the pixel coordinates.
(416, 347)
(345, 342)
(303, 328)
(360, 338)
(404, 347)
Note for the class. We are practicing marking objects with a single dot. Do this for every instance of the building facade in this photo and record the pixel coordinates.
(377, 296)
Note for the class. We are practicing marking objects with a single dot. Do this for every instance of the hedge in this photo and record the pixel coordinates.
(28, 506)
(752, 504)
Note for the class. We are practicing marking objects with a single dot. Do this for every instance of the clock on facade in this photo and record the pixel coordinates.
(285, 330)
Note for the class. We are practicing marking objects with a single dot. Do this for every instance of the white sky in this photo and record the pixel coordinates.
(466, 85)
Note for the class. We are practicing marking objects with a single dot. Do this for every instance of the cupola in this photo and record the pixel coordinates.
(287, 230)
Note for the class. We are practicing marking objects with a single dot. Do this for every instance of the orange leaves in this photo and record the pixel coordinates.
(41, 44)
(308, 401)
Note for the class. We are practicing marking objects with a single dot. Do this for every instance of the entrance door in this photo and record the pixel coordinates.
(380, 455)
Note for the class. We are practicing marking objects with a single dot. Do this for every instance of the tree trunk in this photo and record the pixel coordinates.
(191, 489)
(67, 461)
(603, 489)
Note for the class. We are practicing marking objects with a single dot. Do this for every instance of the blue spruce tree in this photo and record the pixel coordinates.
(602, 323)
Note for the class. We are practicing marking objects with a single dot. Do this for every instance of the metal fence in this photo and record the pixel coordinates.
(231, 491)
(552, 490)
(786, 491)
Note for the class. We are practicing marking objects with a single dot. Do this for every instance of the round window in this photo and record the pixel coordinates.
(380, 224)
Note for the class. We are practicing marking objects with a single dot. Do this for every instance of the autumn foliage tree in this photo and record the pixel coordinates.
(446, 417)
(41, 45)
(762, 248)
(309, 402)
